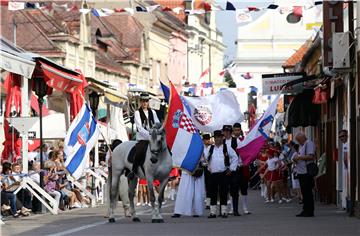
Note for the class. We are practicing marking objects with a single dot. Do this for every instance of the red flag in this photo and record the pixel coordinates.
(222, 73)
(207, 6)
(253, 9)
(205, 72)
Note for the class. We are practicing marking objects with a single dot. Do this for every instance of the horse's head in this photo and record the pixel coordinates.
(157, 141)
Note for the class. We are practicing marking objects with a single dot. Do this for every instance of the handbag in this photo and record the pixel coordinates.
(311, 168)
(198, 172)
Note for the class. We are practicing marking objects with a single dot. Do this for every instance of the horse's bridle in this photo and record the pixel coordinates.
(158, 151)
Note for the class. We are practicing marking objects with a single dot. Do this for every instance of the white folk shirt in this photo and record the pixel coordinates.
(142, 133)
(228, 142)
(307, 149)
(272, 163)
(217, 164)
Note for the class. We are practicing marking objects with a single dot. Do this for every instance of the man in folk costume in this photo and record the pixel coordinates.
(207, 143)
(222, 160)
(234, 178)
(190, 198)
(243, 171)
(145, 118)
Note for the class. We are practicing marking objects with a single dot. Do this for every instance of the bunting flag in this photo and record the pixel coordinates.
(230, 7)
(152, 8)
(15, 6)
(243, 16)
(310, 13)
(204, 73)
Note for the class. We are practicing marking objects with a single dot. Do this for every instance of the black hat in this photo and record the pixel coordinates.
(227, 128)
(237, 125)
(218, 133)
(206, 136)
(144, 96)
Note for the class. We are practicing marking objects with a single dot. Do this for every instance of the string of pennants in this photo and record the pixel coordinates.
(242, 15)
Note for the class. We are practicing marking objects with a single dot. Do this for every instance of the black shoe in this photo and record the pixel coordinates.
(304, 214)
(237, 214)
(207, 207)
(196, 216)
(131, 175)
(176, 216)
(212, 216)
(224, 216)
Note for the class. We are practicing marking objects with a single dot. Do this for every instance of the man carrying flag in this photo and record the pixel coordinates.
(79, 140)
(186, 146)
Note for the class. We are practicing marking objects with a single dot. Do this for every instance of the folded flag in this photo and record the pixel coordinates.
(210, 113)
(79, 140)
(182, 137)
(254, 141)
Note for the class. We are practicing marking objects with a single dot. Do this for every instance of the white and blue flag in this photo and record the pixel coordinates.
(80, 139)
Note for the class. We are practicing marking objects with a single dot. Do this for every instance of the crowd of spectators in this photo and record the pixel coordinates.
(17, 201)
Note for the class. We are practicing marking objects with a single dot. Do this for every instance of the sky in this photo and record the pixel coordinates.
(226, 23)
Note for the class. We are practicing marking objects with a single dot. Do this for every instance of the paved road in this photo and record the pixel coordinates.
(273, 219)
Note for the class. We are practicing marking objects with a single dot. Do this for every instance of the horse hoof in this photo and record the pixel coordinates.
(157, 221)
(111, 220)
(136, 219)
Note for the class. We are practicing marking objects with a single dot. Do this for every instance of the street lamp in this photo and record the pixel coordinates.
(40, 88)
(94, 102)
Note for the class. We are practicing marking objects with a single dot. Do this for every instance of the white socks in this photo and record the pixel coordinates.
(244, 199)
(213, 209)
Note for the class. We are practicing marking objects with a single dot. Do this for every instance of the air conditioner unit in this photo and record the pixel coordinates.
(341, 50)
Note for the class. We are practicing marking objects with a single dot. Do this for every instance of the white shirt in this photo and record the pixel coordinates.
(307, 149)
(142, 133)
(217, 164)
(272, 163)
(228, 142)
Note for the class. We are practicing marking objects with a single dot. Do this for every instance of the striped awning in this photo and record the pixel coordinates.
(112, 96)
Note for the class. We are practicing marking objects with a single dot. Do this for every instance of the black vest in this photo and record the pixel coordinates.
(226, 155)
(146, 121)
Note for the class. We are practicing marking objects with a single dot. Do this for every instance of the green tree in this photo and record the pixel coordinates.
(229, 80)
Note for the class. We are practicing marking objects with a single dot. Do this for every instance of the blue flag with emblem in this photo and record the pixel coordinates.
(80, 139)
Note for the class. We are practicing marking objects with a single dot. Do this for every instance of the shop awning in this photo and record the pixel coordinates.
(112, 96)
(59, 77)
(13, 59)
(301, 111)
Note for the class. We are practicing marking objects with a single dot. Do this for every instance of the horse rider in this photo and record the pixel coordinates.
(145, 118)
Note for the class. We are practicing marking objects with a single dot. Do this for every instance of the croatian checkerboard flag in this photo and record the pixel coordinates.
(182, 138)
(253, 142)
(80, 139)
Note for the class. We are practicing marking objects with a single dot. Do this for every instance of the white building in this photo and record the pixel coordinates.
(263, 45)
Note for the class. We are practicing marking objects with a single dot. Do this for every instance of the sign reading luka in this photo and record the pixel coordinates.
(272, 83)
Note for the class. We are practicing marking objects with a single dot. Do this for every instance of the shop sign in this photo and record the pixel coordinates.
(272, 83)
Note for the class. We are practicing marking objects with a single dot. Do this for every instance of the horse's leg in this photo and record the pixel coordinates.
(161, 199)
(115, 180)
(132, 188)
(152, 200)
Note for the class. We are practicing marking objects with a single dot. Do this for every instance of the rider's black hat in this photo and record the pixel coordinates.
(218, 133)
(206, 136)
(227, 128)
(144, 96)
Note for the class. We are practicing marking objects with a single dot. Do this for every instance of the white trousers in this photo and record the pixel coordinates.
(191, 195)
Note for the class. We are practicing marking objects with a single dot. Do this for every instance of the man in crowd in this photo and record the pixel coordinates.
(234, 178)
(343, 136)
(207, 143)
(222, 160)
(306, 156)
(145, 118)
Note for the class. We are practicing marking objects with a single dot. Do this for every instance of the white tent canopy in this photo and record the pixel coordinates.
(54, 128)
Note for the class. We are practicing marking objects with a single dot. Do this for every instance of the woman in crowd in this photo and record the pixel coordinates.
(50, 178)
(142, 193)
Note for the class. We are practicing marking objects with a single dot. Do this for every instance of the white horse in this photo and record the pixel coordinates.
(157, 166)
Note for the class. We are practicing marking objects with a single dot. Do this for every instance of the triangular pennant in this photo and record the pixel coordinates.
(129, 10)
(140, 9)
(85, 10)
(253, 9)
(177, 10)
(152, 8)
(166, 9)
(230, 6)
(272, 6)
